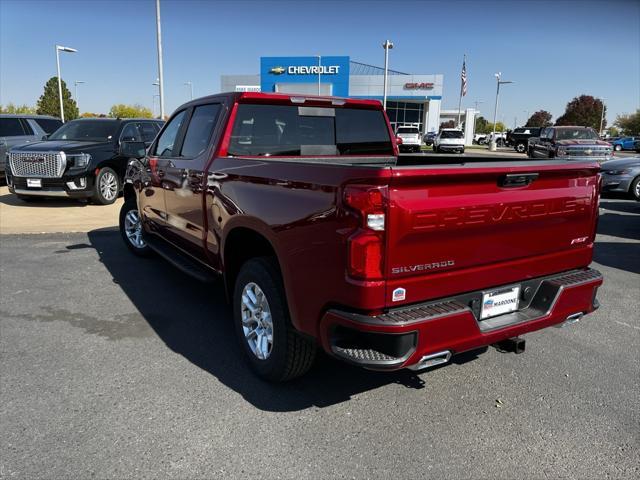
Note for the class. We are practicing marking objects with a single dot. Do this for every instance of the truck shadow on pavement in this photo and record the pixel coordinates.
(194, 320)
(11, 200)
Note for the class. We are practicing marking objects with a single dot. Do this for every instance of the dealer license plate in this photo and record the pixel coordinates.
(34, 182)
(498, 302)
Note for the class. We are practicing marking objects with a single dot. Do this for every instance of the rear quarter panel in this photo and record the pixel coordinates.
(296, 206)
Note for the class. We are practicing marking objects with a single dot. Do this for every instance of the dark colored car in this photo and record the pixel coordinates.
(519, 138)
(636, 146)
(326, 238)
(81, 159)
(21, 129)
(429, 137)
(569, 143)
(622, 176)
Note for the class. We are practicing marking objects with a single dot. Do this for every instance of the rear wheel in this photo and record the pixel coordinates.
(107, 187)
(273, 348)
(617, 148)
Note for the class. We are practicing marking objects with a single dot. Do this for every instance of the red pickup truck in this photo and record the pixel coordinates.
(326, 237)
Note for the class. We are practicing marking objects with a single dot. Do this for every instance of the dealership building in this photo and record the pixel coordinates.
(411, 98)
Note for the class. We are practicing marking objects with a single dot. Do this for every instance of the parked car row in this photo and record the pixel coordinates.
(80, 159)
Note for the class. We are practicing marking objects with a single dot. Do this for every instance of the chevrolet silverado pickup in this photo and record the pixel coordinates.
(325, 237)
(569, 143)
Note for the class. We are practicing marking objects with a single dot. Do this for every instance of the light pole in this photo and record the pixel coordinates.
(60, 48)
(492, 144)
(75, 90)
(319, 72)
(190, 87)
(160, 75)
(601, 117)
(387, 45)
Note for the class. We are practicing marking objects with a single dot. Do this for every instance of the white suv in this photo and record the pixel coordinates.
(410, 138)
(449, 139)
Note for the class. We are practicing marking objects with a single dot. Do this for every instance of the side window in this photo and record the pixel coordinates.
(27, 128)
(164, 146)
(10, 127)
(199, 131)
(148, 130)
(130, 133)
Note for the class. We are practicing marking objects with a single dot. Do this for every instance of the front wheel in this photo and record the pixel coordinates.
(635, 188)
(274, 349)
(521, 148)
(617, 148)
(107, 187)
(131, 229)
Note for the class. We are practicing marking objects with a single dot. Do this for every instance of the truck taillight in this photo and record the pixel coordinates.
(366, 245)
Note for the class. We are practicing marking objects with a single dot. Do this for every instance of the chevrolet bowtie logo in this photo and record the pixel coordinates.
(278, 70)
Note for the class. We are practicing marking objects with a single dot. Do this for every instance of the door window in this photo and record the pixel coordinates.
(148, 130)
(168, 138)
(10, 127)
(199, 131)
(130, 133)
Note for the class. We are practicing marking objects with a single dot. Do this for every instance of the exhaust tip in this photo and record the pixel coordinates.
(571, 319)
(432, 360)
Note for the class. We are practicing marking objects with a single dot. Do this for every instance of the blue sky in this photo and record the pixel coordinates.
(553, 50)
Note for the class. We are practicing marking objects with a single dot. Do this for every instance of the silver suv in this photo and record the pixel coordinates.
(20, 129)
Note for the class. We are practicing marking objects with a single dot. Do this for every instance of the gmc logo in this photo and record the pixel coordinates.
(33, 159)
(469, 216)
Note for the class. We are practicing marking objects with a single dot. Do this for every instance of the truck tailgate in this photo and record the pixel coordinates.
(458, 228)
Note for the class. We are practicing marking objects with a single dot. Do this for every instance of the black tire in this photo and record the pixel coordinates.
(617, 148)
(520, 147)
(28, 198)
(100, 195)
(633, 190)
(127, 209)
(291, 354)
(462, 151)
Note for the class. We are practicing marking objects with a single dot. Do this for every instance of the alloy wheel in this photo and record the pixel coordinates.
(133, 229)
(108, 186)
(257, 323)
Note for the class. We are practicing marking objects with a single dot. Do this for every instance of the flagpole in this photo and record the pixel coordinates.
(464, 61)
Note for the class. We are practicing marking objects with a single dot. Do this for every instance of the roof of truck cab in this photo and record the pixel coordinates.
(287, 98)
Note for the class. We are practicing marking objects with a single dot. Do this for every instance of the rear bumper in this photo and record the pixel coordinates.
(451, 147)
(403, 337)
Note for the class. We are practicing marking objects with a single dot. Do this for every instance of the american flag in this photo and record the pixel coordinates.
(463, 78)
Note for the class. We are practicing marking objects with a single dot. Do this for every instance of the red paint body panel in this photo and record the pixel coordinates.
(457, 219)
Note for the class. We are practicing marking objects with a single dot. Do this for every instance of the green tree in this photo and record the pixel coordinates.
(614, 132)
(500, 127)
(49, 101)
(17, 109)
(584, 111)
(541, 118)
(482, 125)
(629, 124)
(130, 111)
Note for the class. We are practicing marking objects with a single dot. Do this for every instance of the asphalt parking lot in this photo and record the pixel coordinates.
(118, 367)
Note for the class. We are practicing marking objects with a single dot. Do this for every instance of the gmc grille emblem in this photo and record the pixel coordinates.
(33, 159)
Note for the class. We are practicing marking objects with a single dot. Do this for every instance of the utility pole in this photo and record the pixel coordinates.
(160, 75)
(387, 45)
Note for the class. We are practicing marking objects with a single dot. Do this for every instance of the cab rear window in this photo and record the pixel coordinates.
(289, 130)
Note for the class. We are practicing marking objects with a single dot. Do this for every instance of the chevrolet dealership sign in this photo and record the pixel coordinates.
(307, 70)
(333, 72)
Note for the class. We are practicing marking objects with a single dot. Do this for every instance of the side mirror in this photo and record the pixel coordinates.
(132, 149)
(45, 137)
